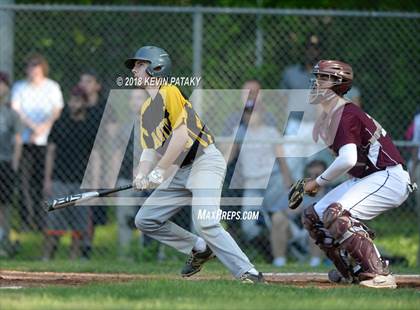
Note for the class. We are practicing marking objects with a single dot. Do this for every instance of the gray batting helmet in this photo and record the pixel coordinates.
(160, 62)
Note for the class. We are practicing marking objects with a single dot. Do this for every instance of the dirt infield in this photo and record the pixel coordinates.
(20, 279)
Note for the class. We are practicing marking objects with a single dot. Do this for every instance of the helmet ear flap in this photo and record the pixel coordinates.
(342, 88)
(149, 70)
(158, 58)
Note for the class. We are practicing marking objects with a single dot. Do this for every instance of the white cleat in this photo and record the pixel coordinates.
(380, 282)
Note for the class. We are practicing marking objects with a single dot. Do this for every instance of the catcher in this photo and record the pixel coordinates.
(378, 181)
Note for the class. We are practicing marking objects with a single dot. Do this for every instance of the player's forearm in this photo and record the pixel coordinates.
(148, 160)
(175, 148)
(346, 159)
(145, 167)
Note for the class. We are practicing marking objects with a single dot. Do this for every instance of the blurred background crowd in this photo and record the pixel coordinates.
(58, 67)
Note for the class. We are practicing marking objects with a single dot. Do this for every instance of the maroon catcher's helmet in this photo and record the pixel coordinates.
(339, 77)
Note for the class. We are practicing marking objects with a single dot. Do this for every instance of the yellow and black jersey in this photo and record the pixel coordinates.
(165, 112)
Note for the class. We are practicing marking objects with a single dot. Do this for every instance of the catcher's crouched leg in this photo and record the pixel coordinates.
(355, 238)
(325, 241)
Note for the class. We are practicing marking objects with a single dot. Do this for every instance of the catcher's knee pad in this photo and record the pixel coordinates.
(356, 238)
(314, 226)
(325, 241)
(337, 221)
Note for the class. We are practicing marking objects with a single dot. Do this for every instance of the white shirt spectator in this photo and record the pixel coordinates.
(296, 152)
(36, 103)
(257, 158)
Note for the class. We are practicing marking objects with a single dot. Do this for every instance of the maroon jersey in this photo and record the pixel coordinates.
(375, 149)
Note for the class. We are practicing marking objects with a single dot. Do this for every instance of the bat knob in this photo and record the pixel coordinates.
(47, 206)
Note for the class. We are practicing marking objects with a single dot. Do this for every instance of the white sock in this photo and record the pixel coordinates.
(253, 271)
(315, 261)
(200, 245)
(279, 261)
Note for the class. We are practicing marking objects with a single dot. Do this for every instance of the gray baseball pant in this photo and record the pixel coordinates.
(198, 185)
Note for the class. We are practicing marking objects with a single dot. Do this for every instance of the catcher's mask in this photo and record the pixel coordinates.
(330, 78)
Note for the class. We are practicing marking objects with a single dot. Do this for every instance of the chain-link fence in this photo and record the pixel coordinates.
(85, 47)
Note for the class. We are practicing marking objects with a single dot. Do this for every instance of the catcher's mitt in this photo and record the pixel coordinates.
(296, 193)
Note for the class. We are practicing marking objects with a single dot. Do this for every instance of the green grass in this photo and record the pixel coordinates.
(210, 294)
(166, 267)
(402, 240)
(182, 294)
(398, 233)
(220, 294)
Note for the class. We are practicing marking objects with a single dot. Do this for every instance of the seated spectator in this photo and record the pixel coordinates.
(286, 227)
(10, 149)
(235, 126)
(257, 165)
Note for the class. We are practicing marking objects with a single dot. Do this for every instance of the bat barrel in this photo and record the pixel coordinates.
(71, 200)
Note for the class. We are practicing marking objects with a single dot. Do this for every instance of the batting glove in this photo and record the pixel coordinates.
(141, 182)
(156, 177)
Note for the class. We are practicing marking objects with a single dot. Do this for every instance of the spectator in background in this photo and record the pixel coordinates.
(409, 132)
(415, 137)
(354, 96)
(68, 153)
(295, 77)
(249, 96)
(286, 226)
(126, 213)
(237, 122)
(415, 167)
(256, 166)
(10, 149)
(90, 82)
(235, 125)
(38, 101)
(255, 160)
(298, 76)
(95, 106)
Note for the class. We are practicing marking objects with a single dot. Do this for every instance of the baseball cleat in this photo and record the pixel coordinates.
(380, 282)
(195, 262)
(335, 277)
(252, 278)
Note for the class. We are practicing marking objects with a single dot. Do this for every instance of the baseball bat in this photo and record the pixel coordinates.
(71, 200)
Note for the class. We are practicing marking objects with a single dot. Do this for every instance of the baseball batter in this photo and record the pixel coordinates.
(172, 133)
(378, 180)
